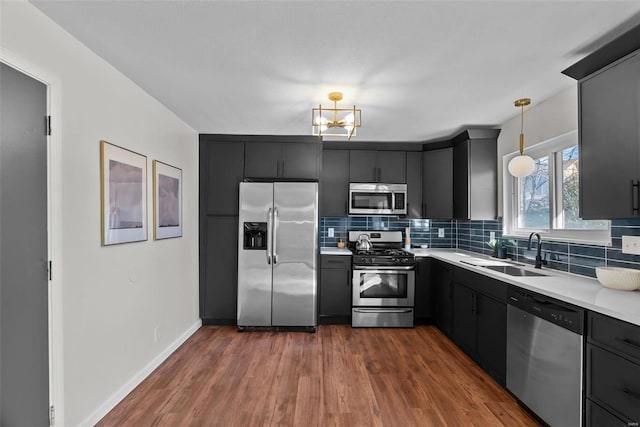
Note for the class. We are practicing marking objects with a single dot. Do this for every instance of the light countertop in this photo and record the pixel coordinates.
(582, 291)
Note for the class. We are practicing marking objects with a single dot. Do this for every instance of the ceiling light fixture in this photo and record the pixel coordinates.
(335, 122)
(521, 165)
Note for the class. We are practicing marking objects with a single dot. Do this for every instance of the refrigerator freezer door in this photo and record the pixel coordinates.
(295, 269)
(254, 273)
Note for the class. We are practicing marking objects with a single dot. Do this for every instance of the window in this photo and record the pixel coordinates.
(547, 201)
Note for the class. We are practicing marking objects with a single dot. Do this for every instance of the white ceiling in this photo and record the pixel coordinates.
(419, 70)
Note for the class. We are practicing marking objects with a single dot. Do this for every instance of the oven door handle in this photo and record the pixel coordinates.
(383, 310)
(381, 267)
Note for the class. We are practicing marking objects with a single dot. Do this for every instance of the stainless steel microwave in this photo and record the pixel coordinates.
(377, 199)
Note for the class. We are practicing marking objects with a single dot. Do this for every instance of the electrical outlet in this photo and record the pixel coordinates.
(631, 245)
(440, 232)
(492, 235)
(330, 232)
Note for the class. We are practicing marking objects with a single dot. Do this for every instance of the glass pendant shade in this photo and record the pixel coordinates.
(521, 166)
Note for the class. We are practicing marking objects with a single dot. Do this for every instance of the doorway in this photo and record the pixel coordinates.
(24, 254)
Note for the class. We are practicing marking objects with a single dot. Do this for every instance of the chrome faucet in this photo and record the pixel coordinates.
(539, 260)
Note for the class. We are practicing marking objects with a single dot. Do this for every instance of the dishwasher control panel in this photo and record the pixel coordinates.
(555, 311)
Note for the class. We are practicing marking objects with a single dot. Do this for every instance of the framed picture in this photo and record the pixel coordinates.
(123, 190)
(167, 201)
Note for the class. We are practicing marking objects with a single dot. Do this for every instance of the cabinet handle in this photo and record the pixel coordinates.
(282, 173)
(634, 197)
(628, 342)
(474, 308)
(631, 393)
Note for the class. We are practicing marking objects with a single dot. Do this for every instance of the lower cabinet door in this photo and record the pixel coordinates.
(335, 295)
(614, 381)
(598, 417)
(492, 337)
(219, 281)
(464, 318)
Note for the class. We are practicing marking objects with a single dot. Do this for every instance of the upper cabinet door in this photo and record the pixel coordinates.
(475, 182)
(378, 166)
(301, 160)
(414, 185)
(362, 166)
(609, 131)
(334, 183)
(437, 183)
(262, 159)
(392, 167)
(221, 171)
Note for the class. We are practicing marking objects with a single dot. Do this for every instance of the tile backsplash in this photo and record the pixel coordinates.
(473, 235)
(423, 231)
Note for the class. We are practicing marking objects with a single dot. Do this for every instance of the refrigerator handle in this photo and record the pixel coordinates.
(274, 239)
(269, 236)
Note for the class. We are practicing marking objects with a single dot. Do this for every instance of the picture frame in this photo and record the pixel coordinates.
(123, 195)
(167, 201)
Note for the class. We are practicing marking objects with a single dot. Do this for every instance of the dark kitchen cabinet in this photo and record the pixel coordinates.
(377, 166)
(464, 330)
(442, 274)
(221, 171)
(437, 183)
(335, 289)
(613, 371)
(479, 324)
(334, 183)
(219, 270)
(609, 139)
(475, 174)
(414, 185)
(423, 307)
(283, 160)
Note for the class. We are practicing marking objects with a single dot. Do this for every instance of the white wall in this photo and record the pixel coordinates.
(543, 120)
(114, 296)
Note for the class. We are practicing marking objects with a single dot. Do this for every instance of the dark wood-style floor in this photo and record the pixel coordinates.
(338, 376)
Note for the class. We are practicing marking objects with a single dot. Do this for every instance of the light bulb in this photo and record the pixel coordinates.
(350, 118)
(521, 166)
(320, 120)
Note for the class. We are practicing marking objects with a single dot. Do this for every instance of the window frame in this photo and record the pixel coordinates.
(553, 148)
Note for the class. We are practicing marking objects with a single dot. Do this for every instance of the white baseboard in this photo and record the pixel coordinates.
(111, 403)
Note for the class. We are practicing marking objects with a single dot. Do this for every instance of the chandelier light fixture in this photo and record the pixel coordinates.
(335, 122)
(521, 165)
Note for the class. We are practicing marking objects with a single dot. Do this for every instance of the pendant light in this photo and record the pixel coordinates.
(521, 165)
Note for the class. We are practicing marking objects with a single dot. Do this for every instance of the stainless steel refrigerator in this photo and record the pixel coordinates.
(278, 254)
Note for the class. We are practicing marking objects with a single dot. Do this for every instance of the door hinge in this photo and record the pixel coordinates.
(48, 125)
(49, 270)
(52, 415)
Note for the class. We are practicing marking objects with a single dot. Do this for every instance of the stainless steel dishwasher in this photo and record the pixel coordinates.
(545, 356)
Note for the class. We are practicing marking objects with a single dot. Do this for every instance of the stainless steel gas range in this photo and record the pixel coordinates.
(383, 281)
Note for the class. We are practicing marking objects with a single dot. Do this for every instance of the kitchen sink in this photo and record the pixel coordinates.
(513, 271)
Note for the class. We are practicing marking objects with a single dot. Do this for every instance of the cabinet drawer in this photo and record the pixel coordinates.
(482, 284)
(336, 261)
(616, 334)
(614, 381)
(596, 417)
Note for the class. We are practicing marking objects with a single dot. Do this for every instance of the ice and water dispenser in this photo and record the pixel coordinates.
(255, 235)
